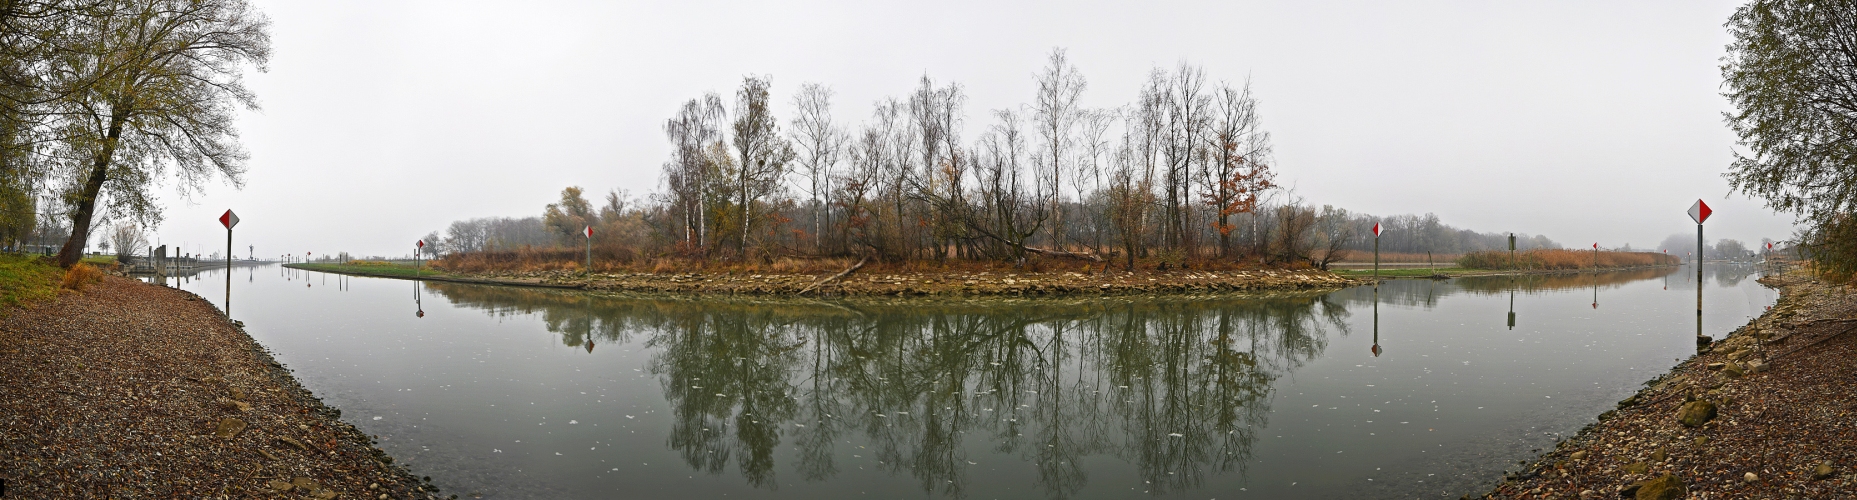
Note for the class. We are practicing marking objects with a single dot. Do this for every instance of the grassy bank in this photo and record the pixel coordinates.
(369, 268)
(1407, 272)
(27, 278)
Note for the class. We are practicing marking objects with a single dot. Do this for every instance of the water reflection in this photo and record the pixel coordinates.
(1179, 389)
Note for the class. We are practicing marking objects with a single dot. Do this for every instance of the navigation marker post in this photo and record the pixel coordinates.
(1699, 212)
(1376, 255)
(418, 248)
(589, 250)
(229, 219)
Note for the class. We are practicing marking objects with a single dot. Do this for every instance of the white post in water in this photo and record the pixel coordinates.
(229, 219)
(1699, 212)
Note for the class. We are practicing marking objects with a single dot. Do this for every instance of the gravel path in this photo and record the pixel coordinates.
(1783, 390)
(130, 390)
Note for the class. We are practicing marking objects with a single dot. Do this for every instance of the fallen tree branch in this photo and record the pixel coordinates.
(841, 274)
(1090, 257)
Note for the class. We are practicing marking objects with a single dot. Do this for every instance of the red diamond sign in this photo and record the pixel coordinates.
(1376, 229)
(1700, 211)
(422, 243)
(228, 220)
(589, 231)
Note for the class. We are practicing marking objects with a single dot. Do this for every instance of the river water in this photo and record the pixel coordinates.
(1418, 389)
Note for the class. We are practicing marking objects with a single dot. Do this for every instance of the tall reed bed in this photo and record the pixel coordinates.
(1562, 259)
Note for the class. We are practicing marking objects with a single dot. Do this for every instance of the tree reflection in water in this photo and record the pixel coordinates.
(1179, 387)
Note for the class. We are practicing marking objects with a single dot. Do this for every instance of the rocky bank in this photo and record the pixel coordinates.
(131, 390)
(1769, 411)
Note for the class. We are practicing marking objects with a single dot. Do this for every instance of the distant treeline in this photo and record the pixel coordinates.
(1183, 173)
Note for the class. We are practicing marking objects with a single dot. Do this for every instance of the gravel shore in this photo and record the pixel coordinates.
(130, 390)
(1770, 411)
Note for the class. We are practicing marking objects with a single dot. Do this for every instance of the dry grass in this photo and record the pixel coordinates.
(80, 276)
(1561, 259)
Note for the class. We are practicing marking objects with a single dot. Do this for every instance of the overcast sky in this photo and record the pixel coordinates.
(1586, 121)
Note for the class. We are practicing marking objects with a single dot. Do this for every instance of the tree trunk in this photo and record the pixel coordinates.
(73, 250)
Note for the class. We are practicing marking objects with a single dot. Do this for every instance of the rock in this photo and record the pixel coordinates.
(324, 494)
(1667, 487)
(1696, 413)
(1737, 355)
(238, 394)
(1823, 471)
(229, 428)
(1716, 366)
(293, 442)
(279, 485)
(1589, 494)
(303, 483)
(1660, 455)
(1733, 370)
(1578, 455)
(1756, 366)
(1702, 440)
(1638, 468)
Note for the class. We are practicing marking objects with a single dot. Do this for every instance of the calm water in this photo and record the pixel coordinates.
(527, 393)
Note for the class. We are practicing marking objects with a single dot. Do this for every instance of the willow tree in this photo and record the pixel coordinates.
(1791, 74)
(161, 83)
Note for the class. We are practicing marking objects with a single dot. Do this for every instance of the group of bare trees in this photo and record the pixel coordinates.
(1182, 171)
(102, 100)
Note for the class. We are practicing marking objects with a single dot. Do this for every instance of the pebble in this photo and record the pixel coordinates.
(1750, 477)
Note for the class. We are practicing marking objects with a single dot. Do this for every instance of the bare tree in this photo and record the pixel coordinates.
(1334, 231)
(934, 114)
(819, 144)
(1010, 214)
(1182, 143)
(1239, 170)
(126, 237)
(1092, 153)
(1056, 113)
(761, 152)
(690, 173)
(163, 81)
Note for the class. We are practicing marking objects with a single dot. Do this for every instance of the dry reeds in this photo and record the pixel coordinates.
(1561, 260)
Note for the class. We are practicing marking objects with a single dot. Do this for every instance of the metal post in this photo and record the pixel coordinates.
(1698, 280)
(228, 273)
(1376, 264)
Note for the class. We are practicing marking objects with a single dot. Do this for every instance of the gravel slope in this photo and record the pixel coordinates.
(1784, 393)
(130, 390)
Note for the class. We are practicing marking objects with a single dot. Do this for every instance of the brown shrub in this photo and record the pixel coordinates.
(81, 275)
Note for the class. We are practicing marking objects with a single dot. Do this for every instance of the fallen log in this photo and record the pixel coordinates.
(841, 274)
(1090, 257)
